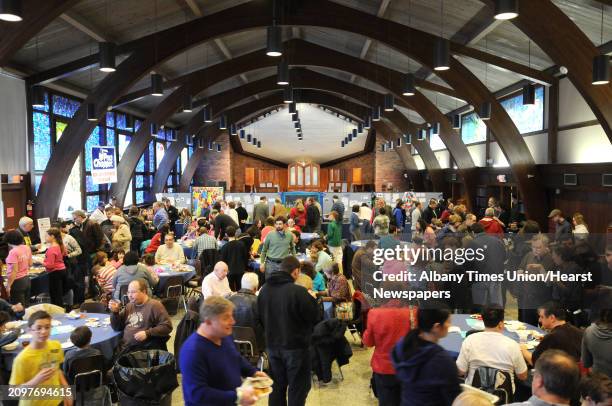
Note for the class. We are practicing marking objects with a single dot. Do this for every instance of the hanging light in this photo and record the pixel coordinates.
(282, 77)
(390, 144)
(389, 102)
(210, 145)
(274, 42)
(91, 112)
(292, 108)
(233, 129)
(258, 144)
(254, 142)
(484, 112)
(201, 143)
(223, 123)
(367, 123)
(218, 147)
(408, 138)
(106, 50)
(208, 114)
(172, 135)
(456, 121)
(297, 125)
(383, 147)
(601, 70)
(187, 104)
(399, 142)
(355, 133)
(350, 137)
(360, 128)
(38, 96)
(422, 134)
(188, 140)
(506, 9)
(409, 89)
(288, 95)
(342, 143)
(129, 122)
(376, 113)
(249, 138)
(242, 133)
(528, 94)
(11, 11)
(295, 117)
(346, 140)
(157, 84)
(435, 129)
(441, 56)
(154, 130)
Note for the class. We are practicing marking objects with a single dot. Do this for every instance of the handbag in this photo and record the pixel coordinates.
(344, 311)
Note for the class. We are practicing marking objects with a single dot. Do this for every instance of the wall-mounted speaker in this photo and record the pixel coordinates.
(570, 179)
(606, 179)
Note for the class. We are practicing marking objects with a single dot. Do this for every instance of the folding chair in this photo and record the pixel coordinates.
(174, 290)
(246, 343)
(496, 382)
(86, 374)
(355, 325)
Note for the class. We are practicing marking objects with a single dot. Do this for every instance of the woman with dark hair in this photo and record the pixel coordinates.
(18, 263)
(426, 370)
(54, 264)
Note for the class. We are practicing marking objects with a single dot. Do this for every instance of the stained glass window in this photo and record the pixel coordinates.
(139, 181)
(59, 129)
(137, 124)
(46, 107)
(42, 140)
(190, 151)
(160, 151)
(139, 197)
(473, 129)
(65, 107)
(121, 121)
(110, 119)
(526, 118)
(124, 140)
(140, 166)
(110, 137)
(184, 159)
(90, 186)
(92, 202)
(93, 140)
(151, 156)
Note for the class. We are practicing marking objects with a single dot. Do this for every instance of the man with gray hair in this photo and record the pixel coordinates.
(491, 224)
(26, 225)
(245, 307)
(211, 366)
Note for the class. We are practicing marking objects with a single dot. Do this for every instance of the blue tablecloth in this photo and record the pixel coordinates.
(39, 283)
(452, 342)
(307, 237)
(103, 338)
(168, 272)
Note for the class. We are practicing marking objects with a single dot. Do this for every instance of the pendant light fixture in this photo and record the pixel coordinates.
(210, 145)
(187, 104)
(11, 11)
(409, 89)
(360, 128)
(399, 142)
(295, 117)
(601, 63)
(506, 9)
(528, 94)
(242, 133)
(249, 138)
(355, 132)
(172, 135)
(274, 41)
(233, 129)
(218, 147)
(254, 142)
(484, 111)
(408, 138)
(208, 114)
(435, 129)
(223, 123)
(154, 130)
(38, 96)
(282, 76)
(292, 108)
(346, 140)
(129, 122)
(297, 125)
(422, 134)
(390, 144)
(201, 143)
(288, 95)
(157, 85)
(367, 123)
(441, 51)
(342, 143)
(258, 144)
(91, 112)
(106, 51)
(376, 113)
(383, 147)
(350, 137)
(188, 140)
(456, 121)
(389, 102)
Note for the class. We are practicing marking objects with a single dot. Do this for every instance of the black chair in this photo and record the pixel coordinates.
(93, 307)
(193, 287)
(246, 343)
(123, 289)
(208, 258)
(86, 374)
(356, 325)
(495, 382)
(173, 289)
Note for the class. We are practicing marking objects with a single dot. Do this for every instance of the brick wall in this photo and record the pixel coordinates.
(389, 168)
(239, 163)
(215, 165)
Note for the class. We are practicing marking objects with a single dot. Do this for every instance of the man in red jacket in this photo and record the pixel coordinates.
(491, 224)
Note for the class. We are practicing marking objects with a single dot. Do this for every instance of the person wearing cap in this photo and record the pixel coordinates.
(98, 215)
(26, 225)
(563, 229)
(122, 235)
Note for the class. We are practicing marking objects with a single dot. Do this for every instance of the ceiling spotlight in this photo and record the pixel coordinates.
(506, 9)
(484, 112)
(528, 94)
(441, 56)
(157, 84)
(106, 50)
(11, 11)
(456, 121)
(288, 95)
(376, 113)
(409, 88)
(274, 42)
(187, 104)
(208, 114)
(601, 70)
(389, 102)
(282, 77)
(38, 96)
(91, 112)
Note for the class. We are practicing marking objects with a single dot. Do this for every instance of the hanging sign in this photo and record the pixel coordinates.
(103, 165)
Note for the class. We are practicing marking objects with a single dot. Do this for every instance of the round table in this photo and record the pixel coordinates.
(168, 272)
(452, 342)
(256, 264)
(104, 338)
(355, 245)
(187, 246)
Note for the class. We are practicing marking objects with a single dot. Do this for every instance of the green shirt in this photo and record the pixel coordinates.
(277, 246)
(334, 234)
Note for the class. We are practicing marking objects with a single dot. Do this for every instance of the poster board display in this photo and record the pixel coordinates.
(249, 200)
(103, 165)
(44, 224)
(178, 200)
(210, 194)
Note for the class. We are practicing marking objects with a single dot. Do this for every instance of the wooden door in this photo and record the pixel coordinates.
(14, 200)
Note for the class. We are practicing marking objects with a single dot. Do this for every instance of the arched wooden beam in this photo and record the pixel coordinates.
(166, 164)
(36, 16)
(568, 46)
(162, 46)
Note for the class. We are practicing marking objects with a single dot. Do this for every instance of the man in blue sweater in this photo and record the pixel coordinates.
(211, 365)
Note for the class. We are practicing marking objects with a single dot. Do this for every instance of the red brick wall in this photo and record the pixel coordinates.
(389, 168)
(239, 163)
(215, 165)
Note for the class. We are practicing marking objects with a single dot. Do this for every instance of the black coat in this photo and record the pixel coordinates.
(188, 325)
(328, 345)
(236, 256)
(287, 312)
(313, 218)
(246, 314)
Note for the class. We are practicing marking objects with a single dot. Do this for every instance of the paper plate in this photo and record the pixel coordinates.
(12, 346)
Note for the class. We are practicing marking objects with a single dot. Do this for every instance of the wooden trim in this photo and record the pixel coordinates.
(553, 122)
(582, 124)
